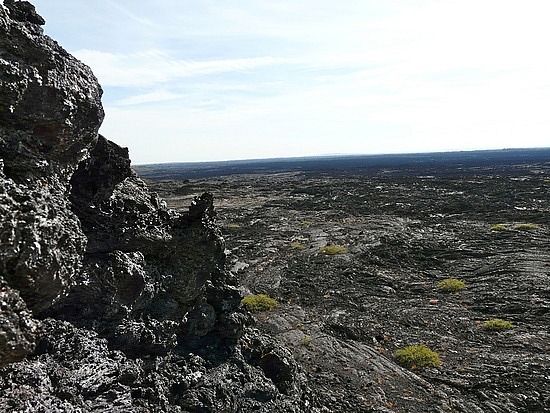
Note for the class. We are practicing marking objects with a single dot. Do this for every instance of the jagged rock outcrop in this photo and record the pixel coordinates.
(110, 301)
(50, 112)
(24, 11)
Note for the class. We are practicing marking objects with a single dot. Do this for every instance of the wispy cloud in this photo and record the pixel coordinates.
(154, 67)
(151, 97)
(142, 20)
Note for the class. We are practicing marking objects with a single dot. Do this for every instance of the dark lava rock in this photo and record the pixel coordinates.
(343, 316)
(18, 330)
(110, 301)
(50, 112)
(24, 11)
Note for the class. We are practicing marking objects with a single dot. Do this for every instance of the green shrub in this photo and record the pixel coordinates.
(526, 227)
(259, 302)
(417, 357)
(496, 324)
(498, 227)
(305, 224)
(306, 341)
(332, 249)
(451, 285)
(297, 246)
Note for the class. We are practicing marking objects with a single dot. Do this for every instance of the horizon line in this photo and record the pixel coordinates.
(339, 155)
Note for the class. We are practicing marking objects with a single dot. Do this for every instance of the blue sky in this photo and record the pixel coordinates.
(201, 80)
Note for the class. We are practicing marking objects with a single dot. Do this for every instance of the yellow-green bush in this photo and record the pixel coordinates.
(451, 285)
(297, 246)
(306, 341)
(417, 357)
(498, 227)
(496, 324)
(332, 249)
(259, 302)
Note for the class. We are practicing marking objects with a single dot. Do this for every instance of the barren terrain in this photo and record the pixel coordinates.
(404, 230)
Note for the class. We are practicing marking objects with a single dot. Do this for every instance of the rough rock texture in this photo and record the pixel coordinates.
(405, 229)
(24, 11)
(110, 301)
(18, 330)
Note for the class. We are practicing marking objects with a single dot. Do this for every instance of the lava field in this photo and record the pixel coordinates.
(397, 234)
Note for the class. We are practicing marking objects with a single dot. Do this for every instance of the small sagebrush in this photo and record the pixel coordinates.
(496, 324)
(259, 302)
(451, 285)
(417, 357)
(332, 249)
(498, 227)
(306, 341)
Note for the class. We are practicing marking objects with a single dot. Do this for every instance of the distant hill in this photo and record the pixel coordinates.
(372, 164)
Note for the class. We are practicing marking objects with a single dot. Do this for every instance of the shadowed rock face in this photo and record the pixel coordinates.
(50, 105)
(50, 112)
(109, 300)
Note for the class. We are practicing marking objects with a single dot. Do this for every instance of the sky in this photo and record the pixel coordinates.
(205, 80)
